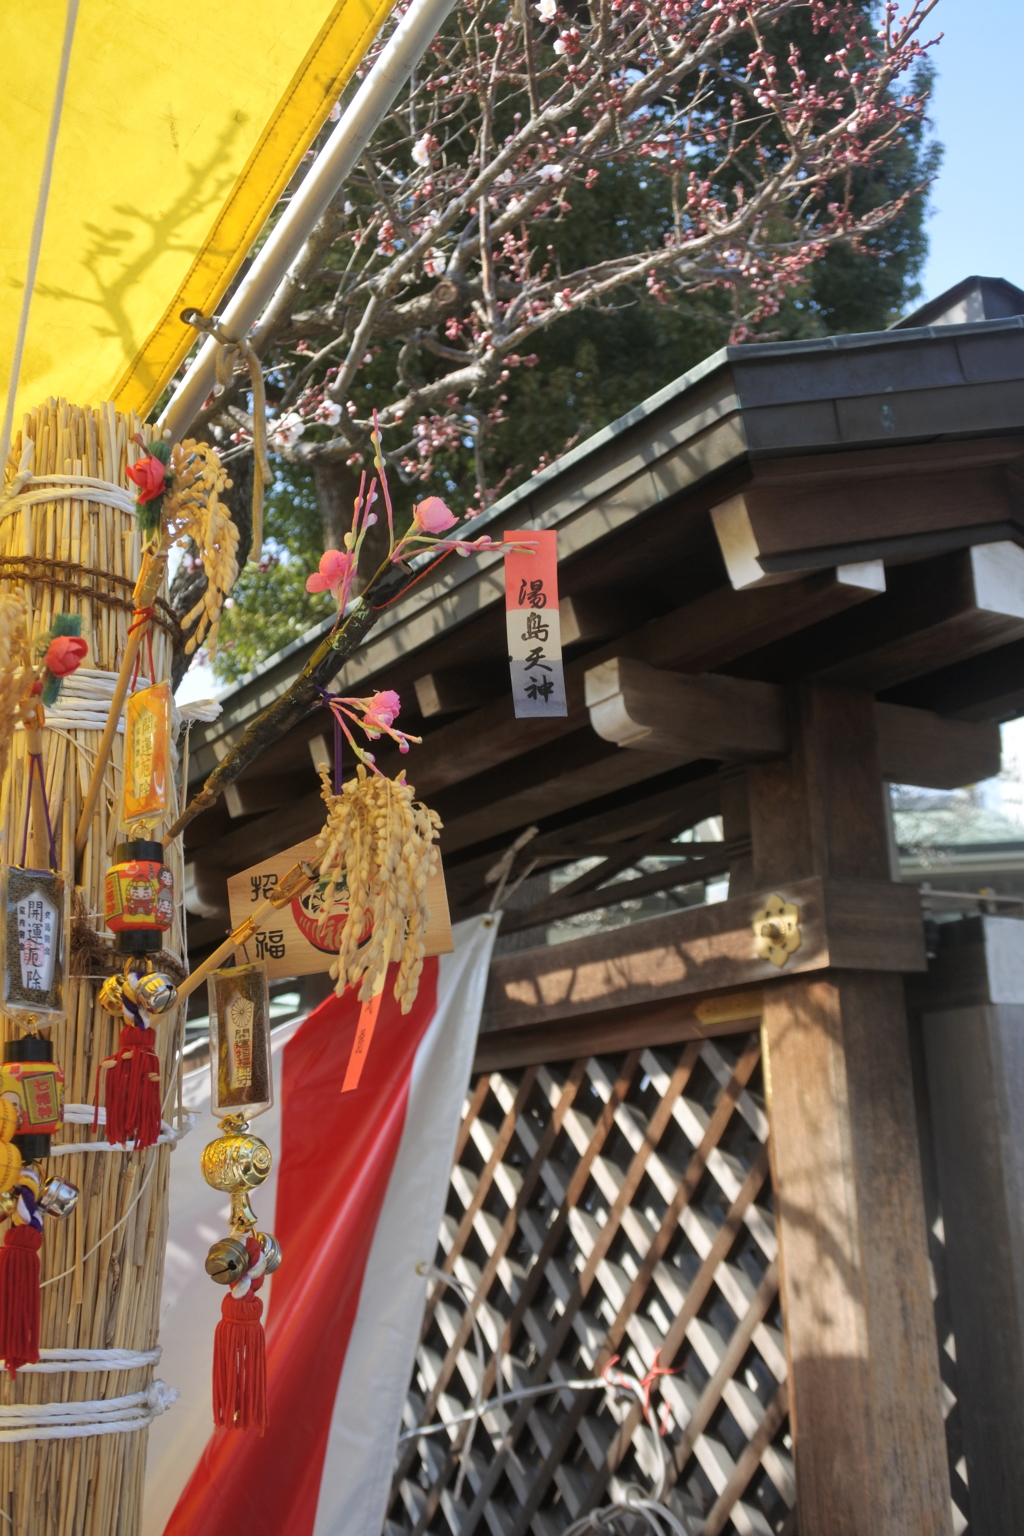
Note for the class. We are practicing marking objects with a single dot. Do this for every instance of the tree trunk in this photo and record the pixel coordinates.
(337, 486)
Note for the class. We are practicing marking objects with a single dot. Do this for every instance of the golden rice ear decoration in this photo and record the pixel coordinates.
(15, 666)
(376, 851)
(193, 510)
(8, 1120)
(10, 1165)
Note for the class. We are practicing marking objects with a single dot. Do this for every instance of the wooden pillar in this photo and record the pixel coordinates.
(864, 1375)
(973, 1039)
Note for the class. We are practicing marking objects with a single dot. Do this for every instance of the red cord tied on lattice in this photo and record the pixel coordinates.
(642, 1387)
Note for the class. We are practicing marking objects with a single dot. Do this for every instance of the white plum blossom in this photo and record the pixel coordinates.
(551, 172)
(329, 412)
(421, 150)
(286, 432)
(547, 10)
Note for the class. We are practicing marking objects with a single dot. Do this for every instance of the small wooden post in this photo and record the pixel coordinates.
(864, 1389)
(973, 1041)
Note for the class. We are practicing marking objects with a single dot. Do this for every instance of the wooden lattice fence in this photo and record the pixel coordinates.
(612, 1206)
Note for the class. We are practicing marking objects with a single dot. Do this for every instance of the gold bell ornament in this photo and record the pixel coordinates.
(130, 1079)
(236, 1164)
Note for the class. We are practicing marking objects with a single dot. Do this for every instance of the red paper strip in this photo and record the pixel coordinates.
(531, 619)
(361, 1044)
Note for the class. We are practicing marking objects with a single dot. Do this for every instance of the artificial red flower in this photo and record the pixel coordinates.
(150, 476)
(65, 654)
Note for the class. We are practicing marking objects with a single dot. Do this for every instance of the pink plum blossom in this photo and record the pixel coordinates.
(382, 710)
(432, 516)
(334, 571)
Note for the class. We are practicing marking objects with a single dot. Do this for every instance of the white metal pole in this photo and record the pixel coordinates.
(325, 176)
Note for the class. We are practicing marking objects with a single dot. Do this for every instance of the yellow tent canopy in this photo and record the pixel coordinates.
(181, 126)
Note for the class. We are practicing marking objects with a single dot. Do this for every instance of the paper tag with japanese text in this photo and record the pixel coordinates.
(531, 618)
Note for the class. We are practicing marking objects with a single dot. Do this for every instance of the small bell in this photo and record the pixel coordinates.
(156, 992)
(58, 1198)
(227, 1261)
(271, 1249)
(111, 995)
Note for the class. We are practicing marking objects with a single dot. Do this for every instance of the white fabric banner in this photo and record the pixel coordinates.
(342, 1486)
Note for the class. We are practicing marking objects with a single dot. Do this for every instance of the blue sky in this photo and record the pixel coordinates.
(977, 223)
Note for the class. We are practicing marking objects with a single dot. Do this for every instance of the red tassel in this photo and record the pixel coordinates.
(19, 1297)
(240, 1365)
(131, 1080)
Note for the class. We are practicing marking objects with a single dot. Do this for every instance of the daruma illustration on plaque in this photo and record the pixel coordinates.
(293, 942)
(307, 911)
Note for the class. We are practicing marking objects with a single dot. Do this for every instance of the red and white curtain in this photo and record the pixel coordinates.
(356, 1200)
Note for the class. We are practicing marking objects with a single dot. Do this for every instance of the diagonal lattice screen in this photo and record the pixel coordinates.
(612, 1206)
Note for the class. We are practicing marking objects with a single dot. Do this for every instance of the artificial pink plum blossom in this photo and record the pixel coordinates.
(382, 710)
(432, 516)
(333, 573)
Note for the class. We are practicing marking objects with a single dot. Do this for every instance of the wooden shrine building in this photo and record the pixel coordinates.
(764, 1135)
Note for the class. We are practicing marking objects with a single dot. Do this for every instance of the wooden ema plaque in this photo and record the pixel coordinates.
(291, 941)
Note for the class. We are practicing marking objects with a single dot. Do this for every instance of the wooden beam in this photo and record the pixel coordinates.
(451, 690)
(921, 748)
(642, 819)
(205, 893)
(707, 716)
(593, 616)
(722, 625)
(714, 859)
(845, 923)
(858, 465)
(988, 687)
(716, 628)
(249, 797)
(685, 804)
(555, 793)
(774, 531)
(744, 560)
(961, 605)
(733, 1013)
(735, 720)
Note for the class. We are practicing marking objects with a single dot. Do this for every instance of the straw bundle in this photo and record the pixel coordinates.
(104, 1296)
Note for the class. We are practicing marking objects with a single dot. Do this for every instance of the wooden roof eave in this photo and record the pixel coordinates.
(744, 406)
